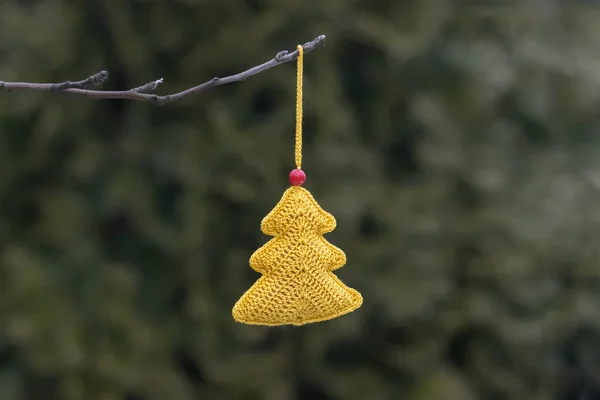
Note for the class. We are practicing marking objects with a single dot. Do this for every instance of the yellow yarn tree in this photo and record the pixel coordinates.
(297, 286)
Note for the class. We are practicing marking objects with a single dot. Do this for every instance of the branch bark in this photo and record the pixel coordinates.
(143, 93)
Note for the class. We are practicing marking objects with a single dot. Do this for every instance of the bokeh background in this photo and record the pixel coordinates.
(456, 142)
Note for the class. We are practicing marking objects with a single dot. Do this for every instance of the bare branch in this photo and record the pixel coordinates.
(143, 93)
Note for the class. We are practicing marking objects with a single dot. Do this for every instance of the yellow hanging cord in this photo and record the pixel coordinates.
(299, 109)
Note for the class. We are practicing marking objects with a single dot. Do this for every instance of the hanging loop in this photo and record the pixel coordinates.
(299, 108)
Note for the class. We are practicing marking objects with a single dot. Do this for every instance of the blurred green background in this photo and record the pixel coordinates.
(456, 142)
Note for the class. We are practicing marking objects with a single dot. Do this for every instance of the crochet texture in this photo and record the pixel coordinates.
(297, 286)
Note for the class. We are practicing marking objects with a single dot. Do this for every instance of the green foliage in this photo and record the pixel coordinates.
(456, 145)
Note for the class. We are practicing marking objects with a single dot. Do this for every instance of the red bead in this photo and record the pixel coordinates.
(297, 177)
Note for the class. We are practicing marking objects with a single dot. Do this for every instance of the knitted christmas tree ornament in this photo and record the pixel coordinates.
(297, 286)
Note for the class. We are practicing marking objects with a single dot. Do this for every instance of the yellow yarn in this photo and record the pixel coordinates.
(297, 286)
(299, 108)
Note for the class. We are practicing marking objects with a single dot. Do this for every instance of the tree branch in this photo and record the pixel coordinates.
(143, 93)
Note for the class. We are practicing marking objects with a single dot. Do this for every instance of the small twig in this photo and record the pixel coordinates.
(148, 87)
(142, 93)
(96, 79)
